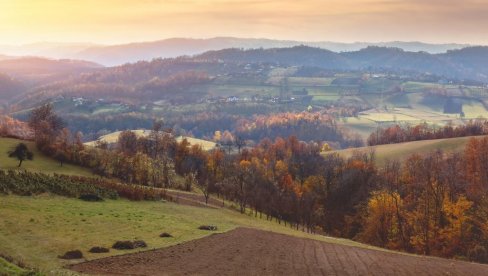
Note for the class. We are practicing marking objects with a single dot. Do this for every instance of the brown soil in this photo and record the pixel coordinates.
(253, 252)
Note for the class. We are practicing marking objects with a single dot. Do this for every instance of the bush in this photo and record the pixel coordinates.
(99, 249)
(71, 255)
(208, 227)
(165, 235)
(478, 254)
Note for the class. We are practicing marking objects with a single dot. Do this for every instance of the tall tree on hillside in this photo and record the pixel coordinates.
(127, 142)
(21, 153)
(42, 117)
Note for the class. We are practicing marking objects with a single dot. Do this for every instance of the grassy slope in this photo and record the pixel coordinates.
(41, 163)
(38, 229)
(10, 269)
(404, 150)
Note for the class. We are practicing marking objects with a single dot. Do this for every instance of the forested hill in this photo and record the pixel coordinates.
(161, 78)
(468, 63)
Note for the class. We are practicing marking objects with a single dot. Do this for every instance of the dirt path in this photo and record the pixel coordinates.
(193, 199)
(253, 252)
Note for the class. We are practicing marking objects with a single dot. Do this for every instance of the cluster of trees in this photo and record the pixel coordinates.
(434, 205)
(306, 126)
(399, 134)
(10, 127)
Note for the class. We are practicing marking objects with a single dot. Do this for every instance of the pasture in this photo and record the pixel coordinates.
(404, 150)
(40, 163)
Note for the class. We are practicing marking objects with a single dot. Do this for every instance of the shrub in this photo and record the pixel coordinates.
(71, 255)
(165, 235)
(478, 254)
(98, 249)
(208, 227)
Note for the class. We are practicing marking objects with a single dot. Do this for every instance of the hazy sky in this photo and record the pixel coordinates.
(117, 21)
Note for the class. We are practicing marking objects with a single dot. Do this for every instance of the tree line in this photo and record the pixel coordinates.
(406, 133)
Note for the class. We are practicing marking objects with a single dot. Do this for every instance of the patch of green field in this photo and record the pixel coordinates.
(325, 98)
(7, 268)
(387, 117)
(404, 150)
(474, 109)
(41, 162)
(362, 126)
(112, 108)
(378, 85)
(226, 90)
(304, 81)
(38, 229)
(412, 86)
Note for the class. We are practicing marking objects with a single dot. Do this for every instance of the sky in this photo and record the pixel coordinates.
(123, 21)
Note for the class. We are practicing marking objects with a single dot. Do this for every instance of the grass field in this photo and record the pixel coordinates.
(38, 229)
(404, 150)
(41, 163)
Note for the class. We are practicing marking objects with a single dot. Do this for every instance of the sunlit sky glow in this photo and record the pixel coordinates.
(120, 21)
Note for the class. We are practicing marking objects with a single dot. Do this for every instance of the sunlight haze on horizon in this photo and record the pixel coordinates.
(122, 21)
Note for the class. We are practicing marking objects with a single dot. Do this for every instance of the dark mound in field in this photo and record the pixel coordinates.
(165, 235)
(90, 198)
(98, 249)
(253, 252)
(72, 255)
(208, 227)
(125, 245)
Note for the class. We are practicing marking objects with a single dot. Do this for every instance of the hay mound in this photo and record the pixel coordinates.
(125, 245)
(98, 249)
(208, 227)
(165, 235)
(71, 255)
(90, 197)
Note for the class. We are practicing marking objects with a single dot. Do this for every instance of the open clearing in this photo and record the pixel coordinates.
(245, 251)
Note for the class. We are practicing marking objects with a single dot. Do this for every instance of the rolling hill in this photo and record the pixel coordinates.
(112, 138)
(466, 63)
(168, 78)
(34, 68)
(169, 48)
(404, 150)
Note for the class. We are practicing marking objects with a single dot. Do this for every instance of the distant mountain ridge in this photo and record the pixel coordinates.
(174, 47)
(111, 55)
(463, 64)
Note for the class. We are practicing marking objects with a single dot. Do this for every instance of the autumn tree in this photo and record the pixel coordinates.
(21, 152)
